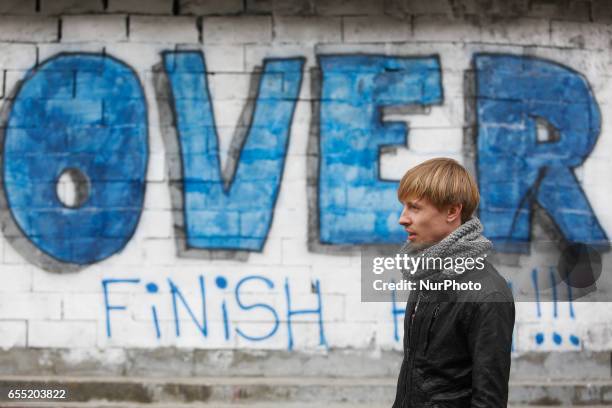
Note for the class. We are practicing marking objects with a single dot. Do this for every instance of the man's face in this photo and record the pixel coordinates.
(424, 223)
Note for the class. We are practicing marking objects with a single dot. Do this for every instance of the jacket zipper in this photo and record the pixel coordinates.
(431, 322)
(411, 360)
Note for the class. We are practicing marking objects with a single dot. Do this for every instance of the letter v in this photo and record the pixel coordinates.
(236, 213)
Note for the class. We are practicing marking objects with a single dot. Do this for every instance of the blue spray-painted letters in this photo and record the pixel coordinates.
(84, 113)
(355, 205)
(514, 168)
(237, 217)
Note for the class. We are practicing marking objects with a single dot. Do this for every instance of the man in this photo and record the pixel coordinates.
(457, 343)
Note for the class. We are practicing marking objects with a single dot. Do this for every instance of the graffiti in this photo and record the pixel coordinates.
(180, 305)
(355, 205)
(236, 213)
(396, 313)
(85, 115)
(540, 337)
(557, 338)
(515, 169)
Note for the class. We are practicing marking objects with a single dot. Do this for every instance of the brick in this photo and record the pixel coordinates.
(156, 173)
(224, 58)
(157, 133)
(286, 220)
(158, 252)
(493, 8)
(333, 305)
(13, 333)
(293, 195)
(295, 252)
(16, 7)
(229, 86)
(601, 10)
(17, 56)
(294, 8)
(259, 6)
(439, 28)
(349, 7)
(57, 7)
(580, 35)
(30, 306)
(16, 278)
(156, 224)
(418, 7)
(566, 9)
(348, 334)
(140, 7)
(160, 196)
(307, 29)
(306, 336)
(227, 113)
(435, 140)
(524, 31)
(30, 29)
(163, 29)
(61, 334)
(125, 332)
(94, 28)
(256, 54)
(211, 7)
(83, 306)
(375, 29)
(394, 164)
(141, 57)
(448, 115)
(10, 254)
(43, 281)
(48, 50)
(251, 29)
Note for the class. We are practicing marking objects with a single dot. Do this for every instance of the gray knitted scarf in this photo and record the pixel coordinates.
(466, 241)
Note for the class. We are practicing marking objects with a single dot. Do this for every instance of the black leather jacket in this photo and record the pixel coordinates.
(457, 345)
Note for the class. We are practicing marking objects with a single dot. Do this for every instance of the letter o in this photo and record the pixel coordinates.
(83, 113)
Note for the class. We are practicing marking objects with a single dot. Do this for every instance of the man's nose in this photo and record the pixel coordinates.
(404, 219)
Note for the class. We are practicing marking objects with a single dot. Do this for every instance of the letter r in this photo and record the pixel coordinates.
(515, 169)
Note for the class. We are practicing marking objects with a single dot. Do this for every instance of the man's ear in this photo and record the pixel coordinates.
(454, 212)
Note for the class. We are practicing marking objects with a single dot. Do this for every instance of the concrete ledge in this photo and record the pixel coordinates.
(173, 362)
(248, 390)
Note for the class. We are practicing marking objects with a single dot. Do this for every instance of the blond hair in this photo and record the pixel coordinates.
(443, 182)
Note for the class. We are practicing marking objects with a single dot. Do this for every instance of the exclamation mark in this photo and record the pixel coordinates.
(152, 288)
(539, 337)
(553, 283)
(573, 338)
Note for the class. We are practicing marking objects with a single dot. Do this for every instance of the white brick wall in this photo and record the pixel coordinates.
(17, 7)
(39, 308)
(163, 29)
(204, 7)
(375, 29)
(57, 7)
(307, 29)
(94, 28)
(28, 29)
(13, 334)
(233, 30)
(136, 6)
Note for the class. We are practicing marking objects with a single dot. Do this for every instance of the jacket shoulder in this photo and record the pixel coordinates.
(492, 285)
